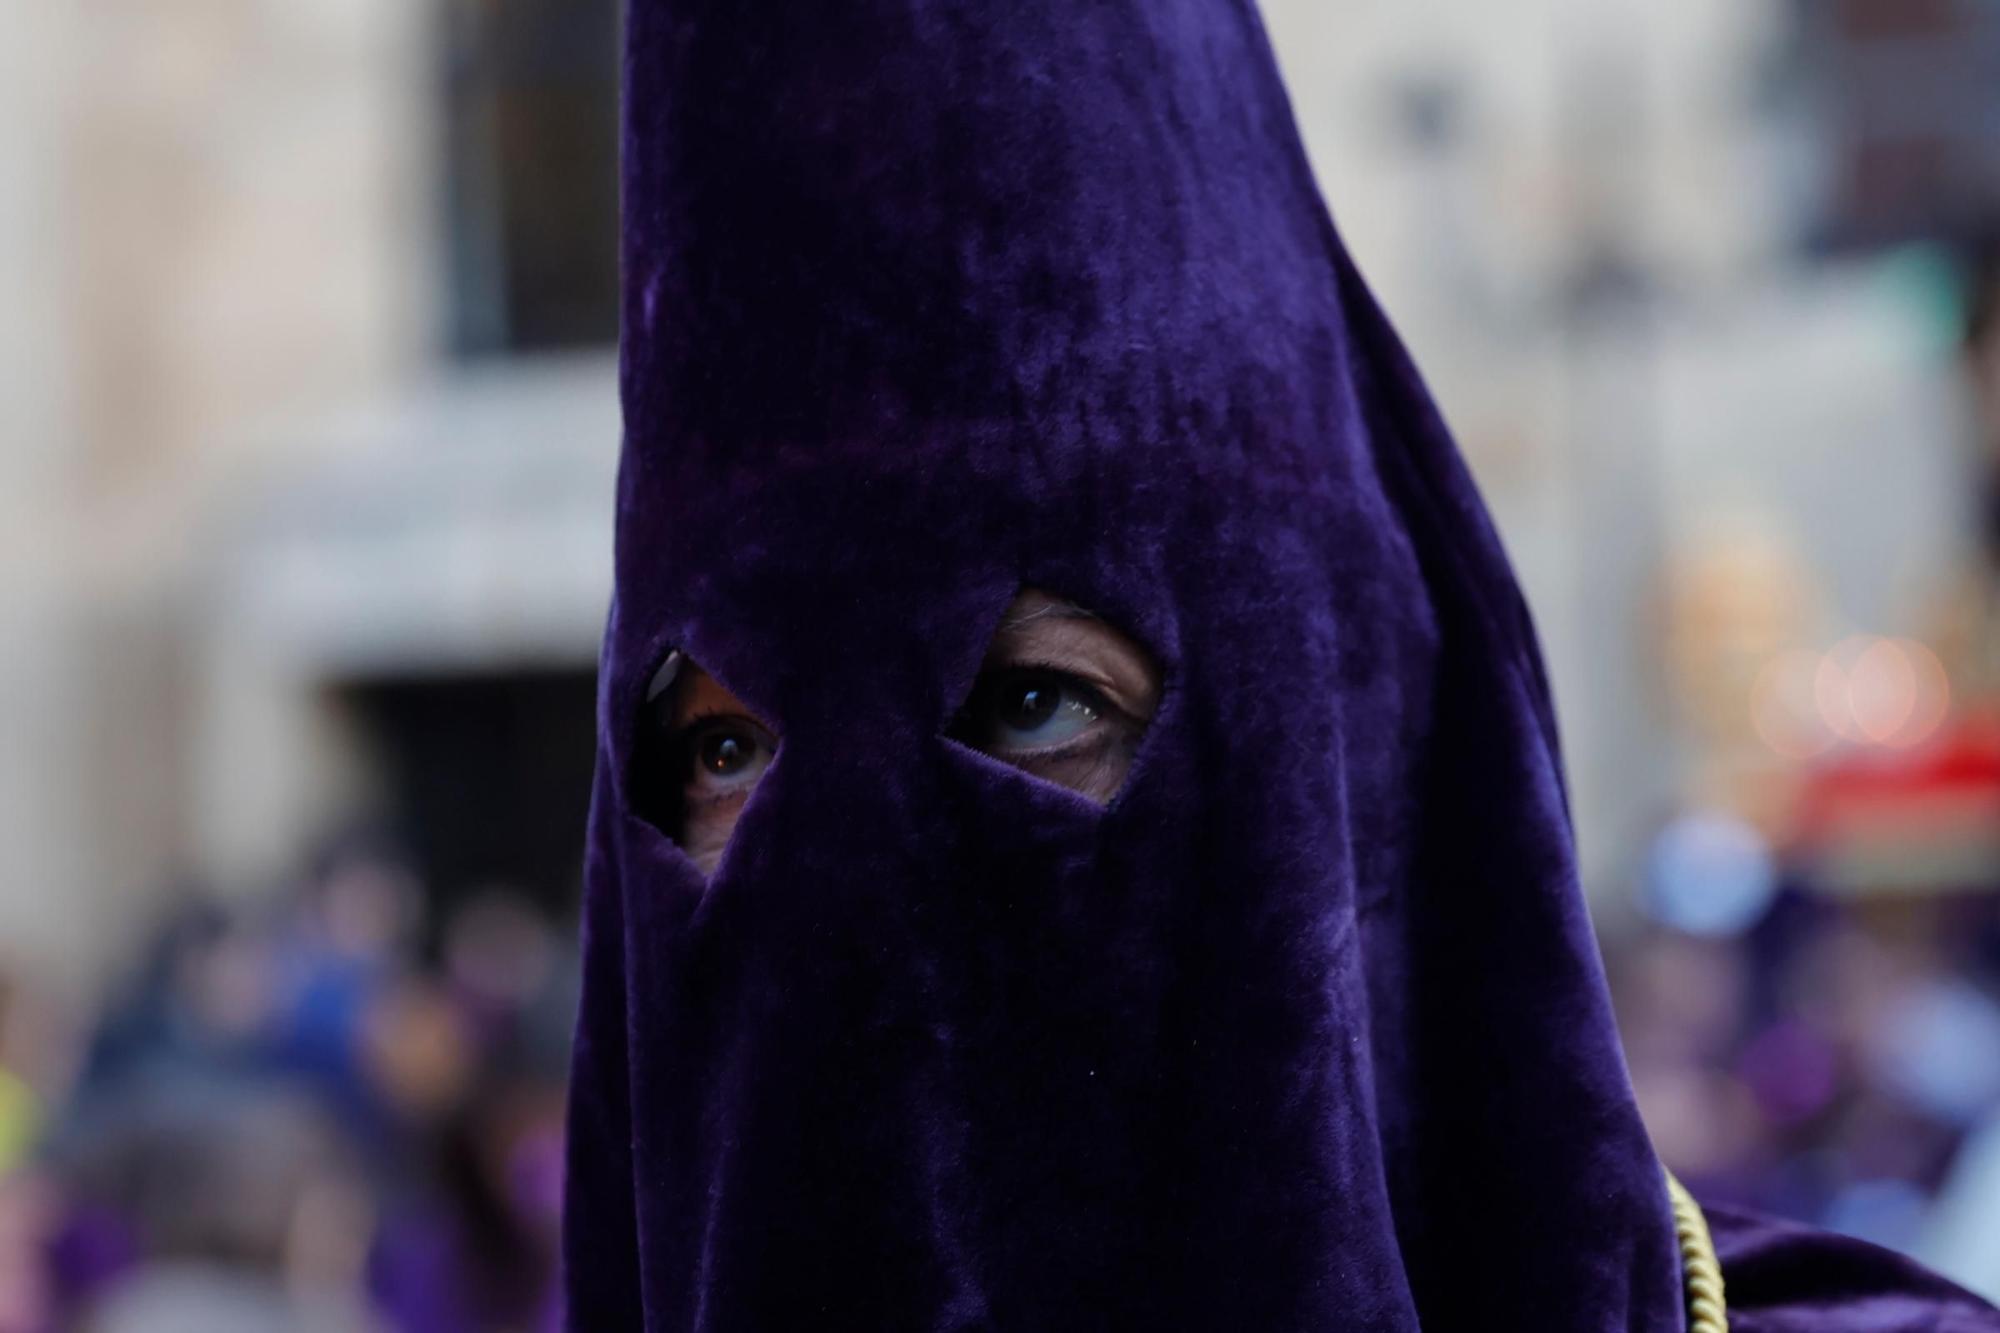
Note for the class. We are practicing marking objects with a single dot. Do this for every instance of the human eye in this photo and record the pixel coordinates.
(699, 754)
(721, 756)
(1052, 725)
(1023, 710)
(1063, 696)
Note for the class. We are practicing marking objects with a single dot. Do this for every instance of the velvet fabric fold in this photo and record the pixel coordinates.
(928, 301)
(1783, 1278)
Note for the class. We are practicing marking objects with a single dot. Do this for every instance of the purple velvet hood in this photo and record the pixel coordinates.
(928, 300)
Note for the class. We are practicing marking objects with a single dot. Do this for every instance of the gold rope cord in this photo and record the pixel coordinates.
(1706, 1309)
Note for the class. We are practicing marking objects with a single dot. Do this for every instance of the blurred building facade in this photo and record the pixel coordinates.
(311, 420)
(252, 476)
(308, 428)
(208, 232)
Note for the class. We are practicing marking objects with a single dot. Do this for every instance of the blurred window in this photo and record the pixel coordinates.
(532, 187)
(1902, 102)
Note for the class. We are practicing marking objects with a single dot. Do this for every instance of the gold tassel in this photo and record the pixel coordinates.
(1702, 1272)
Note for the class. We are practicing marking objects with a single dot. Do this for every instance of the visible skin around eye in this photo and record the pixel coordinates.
(1061, 695)
(719, 748)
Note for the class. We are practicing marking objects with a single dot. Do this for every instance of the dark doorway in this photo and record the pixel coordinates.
(489, 779)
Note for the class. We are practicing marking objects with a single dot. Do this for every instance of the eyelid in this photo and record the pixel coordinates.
(711, 800)
(1093, 738)
(1060, 636)
(1098, 692)
(1097, 737)
(712, 713)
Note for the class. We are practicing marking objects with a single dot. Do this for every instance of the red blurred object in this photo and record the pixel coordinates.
(1922, 820)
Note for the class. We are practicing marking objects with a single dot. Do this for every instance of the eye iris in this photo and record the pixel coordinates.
(1030, 706)
(723, 754)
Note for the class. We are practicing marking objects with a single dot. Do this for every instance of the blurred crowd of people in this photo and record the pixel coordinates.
(1829, 1063)
(317, 1112)
(1812, 1011)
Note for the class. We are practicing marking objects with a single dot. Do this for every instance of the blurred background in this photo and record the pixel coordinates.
(307, 432)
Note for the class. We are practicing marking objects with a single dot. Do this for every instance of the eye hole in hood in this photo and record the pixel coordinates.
(1061, 695)
(700, 753)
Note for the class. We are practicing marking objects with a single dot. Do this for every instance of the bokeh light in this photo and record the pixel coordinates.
(1866, 690)
(1785, 706)
(1712, 874)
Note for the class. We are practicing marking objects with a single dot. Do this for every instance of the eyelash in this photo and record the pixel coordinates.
(682, 737)
(676, 753)
(1095, 738)
(1091, 694)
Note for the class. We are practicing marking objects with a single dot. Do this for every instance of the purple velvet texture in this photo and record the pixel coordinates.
(1791, 1279)
(928, 300)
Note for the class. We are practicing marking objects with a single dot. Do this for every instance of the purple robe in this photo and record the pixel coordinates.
(927, 301)
(1784, 1278)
